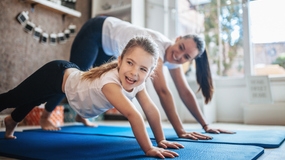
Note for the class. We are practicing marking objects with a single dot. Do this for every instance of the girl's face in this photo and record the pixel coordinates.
(183, 50)
(134, 68)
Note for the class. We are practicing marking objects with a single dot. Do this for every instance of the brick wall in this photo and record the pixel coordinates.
(20, 53)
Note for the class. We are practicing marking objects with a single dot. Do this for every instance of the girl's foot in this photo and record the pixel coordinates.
(86, 122)
(10, 125)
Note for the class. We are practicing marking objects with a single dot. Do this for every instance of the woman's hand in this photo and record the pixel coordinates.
(161, 153)
(167, 144)
(194, 136)
(217, 131)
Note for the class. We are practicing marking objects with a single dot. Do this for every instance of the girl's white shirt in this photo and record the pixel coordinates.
(117, 33)
(86, 97)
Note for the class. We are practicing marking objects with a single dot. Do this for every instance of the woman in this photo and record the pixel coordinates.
(102, 38)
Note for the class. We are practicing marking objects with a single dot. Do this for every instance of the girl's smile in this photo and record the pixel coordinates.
(130, 80)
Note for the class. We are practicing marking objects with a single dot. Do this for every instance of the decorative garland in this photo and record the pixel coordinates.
(42, 36)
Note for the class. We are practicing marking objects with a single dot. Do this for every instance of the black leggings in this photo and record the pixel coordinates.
(44, 85)
(86, 50)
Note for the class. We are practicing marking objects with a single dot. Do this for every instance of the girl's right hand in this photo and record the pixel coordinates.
(161, 153)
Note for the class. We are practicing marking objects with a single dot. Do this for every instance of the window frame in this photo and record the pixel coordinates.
(247, 46)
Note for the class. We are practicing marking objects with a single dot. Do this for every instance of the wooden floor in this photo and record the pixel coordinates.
(269, 154)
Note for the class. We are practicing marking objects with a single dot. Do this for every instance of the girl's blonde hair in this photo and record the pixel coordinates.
(146, 43)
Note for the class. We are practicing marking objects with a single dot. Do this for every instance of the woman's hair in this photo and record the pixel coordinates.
(199, 42)
(146, 43)
(203, 72)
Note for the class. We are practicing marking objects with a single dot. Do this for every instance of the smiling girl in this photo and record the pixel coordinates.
(93, 92)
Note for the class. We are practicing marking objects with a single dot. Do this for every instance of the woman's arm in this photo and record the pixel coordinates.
(115, 96)
(187, 95)
(166, 98)
(153, 117)
(190, 101)
(167, 102)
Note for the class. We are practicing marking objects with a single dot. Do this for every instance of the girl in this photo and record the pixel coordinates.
(95, 91)
(101, 38)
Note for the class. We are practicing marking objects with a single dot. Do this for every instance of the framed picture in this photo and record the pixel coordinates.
(259, 90)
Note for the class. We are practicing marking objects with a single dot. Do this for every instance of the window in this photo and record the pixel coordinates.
(226, 27)
(268, 36)
(220, 22)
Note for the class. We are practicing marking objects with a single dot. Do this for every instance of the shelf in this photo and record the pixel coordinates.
(55, 7)
(116, 10)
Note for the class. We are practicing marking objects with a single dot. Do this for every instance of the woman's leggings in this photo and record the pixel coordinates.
(86, 50)
(42, 86)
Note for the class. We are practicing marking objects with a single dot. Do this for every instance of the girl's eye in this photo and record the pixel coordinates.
(180, 47)
(129, 62)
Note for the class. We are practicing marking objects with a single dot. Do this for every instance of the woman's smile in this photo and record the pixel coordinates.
(174, 57)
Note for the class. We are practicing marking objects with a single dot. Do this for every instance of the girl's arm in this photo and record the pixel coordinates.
(115, 96)
(153, 117)
(167, 101)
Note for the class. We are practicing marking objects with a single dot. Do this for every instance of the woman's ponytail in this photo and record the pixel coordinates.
(204, 77)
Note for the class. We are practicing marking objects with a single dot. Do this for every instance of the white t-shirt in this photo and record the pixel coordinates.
(117, 33)
(86, 97)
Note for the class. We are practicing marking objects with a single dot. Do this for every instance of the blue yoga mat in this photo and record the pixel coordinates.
(52, 145)
(262, 138)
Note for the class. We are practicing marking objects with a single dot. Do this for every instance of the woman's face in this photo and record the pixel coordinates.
(183, 50)
(135, 67)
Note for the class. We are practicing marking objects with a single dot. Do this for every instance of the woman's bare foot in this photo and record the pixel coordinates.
(10, 125)
(86, 122)
(45, 123)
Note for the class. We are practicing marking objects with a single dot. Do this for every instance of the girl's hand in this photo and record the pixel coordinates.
(161, 153)
(167, 144)
(194, 136)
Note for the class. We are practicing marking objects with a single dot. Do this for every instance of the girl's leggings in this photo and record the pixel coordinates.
(86, 51)
(42, 86)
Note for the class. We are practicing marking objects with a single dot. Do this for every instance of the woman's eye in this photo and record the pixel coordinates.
(181, 48)
(187, 57)
(143, 69)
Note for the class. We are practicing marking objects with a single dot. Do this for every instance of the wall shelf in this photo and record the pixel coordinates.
(117, 10)
(55, 7)
(132, 11)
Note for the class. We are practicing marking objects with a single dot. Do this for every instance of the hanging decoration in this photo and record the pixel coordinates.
(43, 37)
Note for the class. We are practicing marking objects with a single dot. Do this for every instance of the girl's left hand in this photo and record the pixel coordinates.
(167, 144)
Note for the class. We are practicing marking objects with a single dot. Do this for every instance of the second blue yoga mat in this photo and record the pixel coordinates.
(69, 146)
(262, 138)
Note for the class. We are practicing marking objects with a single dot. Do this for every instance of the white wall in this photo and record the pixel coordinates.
(161, 18)
(231, 93)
